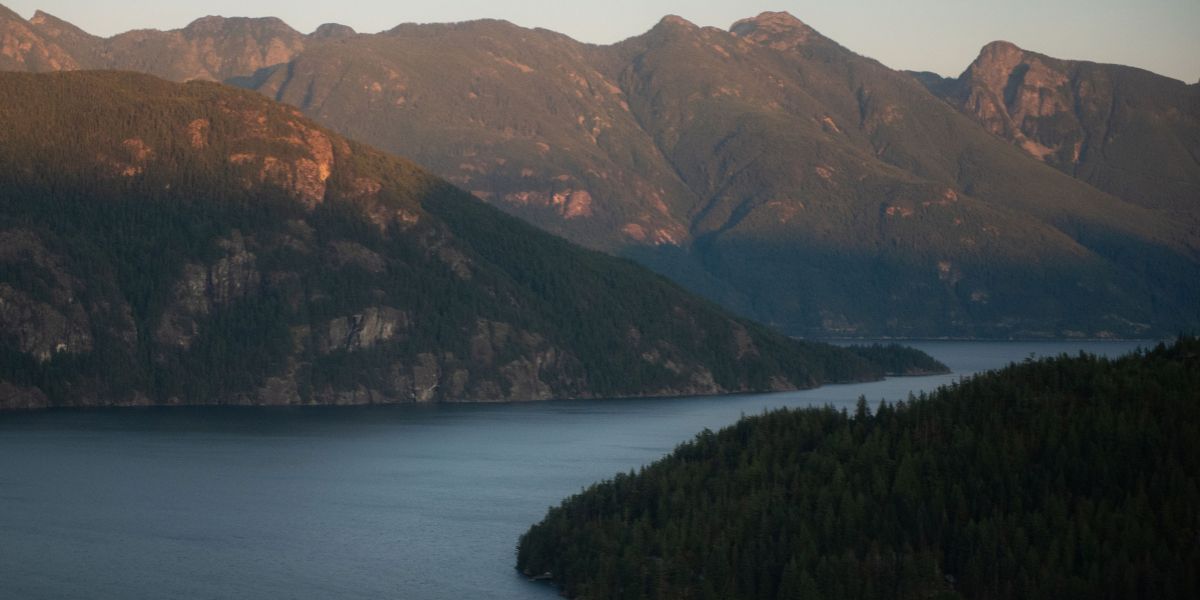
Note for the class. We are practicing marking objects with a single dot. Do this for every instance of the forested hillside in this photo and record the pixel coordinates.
(1071, 477)
(166, 243)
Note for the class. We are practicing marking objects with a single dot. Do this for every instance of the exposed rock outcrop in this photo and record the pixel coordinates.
(364, 330)
(1126, 131)
(778, 30)
(201, 288)
(305, 177)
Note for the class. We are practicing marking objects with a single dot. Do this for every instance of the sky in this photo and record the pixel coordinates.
(943, 36)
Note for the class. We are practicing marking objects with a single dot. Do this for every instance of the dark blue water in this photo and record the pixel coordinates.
(401, 502)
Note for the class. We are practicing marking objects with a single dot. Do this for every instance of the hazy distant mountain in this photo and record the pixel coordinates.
(1126, 131)
(170, 243)
(766, 167)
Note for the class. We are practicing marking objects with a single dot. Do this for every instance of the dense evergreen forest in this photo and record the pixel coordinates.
(1070, 477)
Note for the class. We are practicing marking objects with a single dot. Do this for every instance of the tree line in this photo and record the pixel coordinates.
(1069, 477)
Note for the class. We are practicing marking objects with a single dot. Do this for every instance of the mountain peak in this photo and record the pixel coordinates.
(670, 27)
(779, 30)
(477, 26)
(42, 19)
(1000, 45)
(771, 19)
(7, 13)
(675, 21)
(995, 63)
(1000, 51)
(213, 24)
(47, 22)
(207, 22)
(333, 30)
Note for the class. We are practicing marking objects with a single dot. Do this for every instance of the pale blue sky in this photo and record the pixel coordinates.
(936, 35)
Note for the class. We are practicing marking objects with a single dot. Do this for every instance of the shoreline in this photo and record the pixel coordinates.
(674, 394)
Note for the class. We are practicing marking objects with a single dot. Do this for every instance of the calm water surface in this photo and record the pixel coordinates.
(379, 502)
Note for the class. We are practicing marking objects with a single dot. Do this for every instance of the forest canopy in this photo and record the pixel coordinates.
(1069, 477)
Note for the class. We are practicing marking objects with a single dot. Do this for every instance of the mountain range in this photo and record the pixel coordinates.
(765, 166)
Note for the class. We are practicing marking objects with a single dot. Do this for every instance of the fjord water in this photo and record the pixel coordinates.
(371, 502)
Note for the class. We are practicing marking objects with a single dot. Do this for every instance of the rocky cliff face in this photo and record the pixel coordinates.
(522, 364)
(203, 289)
(1126, 131)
